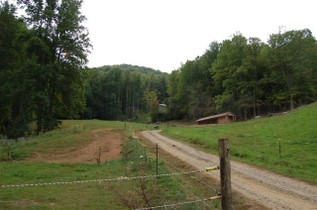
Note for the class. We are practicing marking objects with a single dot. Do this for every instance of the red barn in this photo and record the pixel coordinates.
(223, 118)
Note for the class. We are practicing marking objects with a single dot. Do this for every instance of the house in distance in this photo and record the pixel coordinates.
(223, 118)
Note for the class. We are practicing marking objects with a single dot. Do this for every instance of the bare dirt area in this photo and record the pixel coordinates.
(106, 145)
(271, 190)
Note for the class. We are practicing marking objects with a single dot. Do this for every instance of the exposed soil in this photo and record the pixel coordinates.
(106, 144)
(272, 190)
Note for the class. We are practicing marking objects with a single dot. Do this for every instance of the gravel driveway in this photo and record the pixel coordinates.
(270, 189)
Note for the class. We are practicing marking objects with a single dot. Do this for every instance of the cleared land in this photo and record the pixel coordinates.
(69, 154)
(106, 145)
(270, 189)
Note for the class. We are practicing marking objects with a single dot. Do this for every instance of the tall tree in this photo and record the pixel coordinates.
(229, 73)
(60, 49)
(294, 60)
(15, 89)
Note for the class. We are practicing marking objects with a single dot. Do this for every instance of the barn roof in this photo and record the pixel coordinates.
(216, 116)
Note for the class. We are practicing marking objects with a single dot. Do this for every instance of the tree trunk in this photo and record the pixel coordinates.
(291, 102)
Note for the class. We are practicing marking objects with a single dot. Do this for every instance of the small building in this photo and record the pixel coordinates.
(163, 108)
(224, 118)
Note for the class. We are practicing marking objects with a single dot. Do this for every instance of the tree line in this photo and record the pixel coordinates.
(124, 92)
(41, 67)
(247, 77)
(243, 75)
(43, 77)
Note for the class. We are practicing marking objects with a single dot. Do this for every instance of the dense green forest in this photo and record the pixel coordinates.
(124, 92)
(43, 77)
(247, 77)
(41, 68)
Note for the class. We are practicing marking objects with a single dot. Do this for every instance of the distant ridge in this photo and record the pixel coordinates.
(129, 67)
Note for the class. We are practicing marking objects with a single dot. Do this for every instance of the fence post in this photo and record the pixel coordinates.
(145, 154)
(225, 174)
(279, 149)
(156, 152)
(9, 150)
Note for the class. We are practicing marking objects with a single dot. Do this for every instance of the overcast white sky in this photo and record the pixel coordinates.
(162, 34)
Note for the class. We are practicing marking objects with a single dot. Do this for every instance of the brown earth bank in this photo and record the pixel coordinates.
(271, 190)
(106, 144)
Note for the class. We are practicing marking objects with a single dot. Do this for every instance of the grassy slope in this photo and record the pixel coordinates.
(257, 141)
(72, 134)
(121, 195)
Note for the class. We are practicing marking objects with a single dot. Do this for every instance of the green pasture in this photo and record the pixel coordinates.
(285, 143)
(129, 194)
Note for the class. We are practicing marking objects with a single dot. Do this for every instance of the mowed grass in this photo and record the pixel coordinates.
(127, 194)
(285, 143)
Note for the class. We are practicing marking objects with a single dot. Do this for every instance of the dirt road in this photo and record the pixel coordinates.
(268, 188)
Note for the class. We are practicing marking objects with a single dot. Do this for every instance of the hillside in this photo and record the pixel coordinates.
(128, 67)
(285, 143)
(123, 92)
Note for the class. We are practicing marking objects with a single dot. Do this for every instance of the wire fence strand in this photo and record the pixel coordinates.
(199, 180)
(187, 189)
(99, 181)
(179, 204)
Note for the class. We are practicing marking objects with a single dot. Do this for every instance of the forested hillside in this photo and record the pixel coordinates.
(43, 77)
(247, 77)
(123, 92)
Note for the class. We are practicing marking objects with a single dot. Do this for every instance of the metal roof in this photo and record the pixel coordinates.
(216, 116)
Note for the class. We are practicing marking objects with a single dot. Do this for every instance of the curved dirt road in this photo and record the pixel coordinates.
(270, 189)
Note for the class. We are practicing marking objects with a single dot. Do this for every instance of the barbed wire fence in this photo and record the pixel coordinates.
(180, 203)
(189, 191)
(99, 181)
(154, 149)
(190, 174)
(123, 179)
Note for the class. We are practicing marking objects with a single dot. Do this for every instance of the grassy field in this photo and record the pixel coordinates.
(285, 143)
(20, 169)
(73, 133)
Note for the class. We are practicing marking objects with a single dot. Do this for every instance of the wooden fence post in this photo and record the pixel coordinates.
(279, 149)
(225, 174)
(156, 152)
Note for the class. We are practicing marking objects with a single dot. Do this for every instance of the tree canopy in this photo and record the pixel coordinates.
(247, 77)
(124, 92)
(42, 75)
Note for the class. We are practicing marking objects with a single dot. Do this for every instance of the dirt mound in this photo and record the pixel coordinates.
(106, 144)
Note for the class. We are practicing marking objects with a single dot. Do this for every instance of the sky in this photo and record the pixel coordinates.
(163, 34)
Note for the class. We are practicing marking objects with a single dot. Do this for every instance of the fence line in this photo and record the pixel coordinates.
(224, 196)
(188, 190)
(181, 203)
(284, 141)
(117, 179)
(175, 169)
(197, 179)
